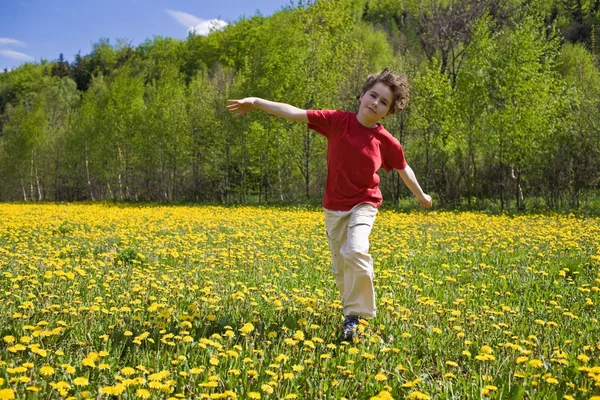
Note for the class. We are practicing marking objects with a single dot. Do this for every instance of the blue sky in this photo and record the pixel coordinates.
(31, 30)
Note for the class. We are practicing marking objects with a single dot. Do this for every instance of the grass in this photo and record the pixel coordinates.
(239, 302)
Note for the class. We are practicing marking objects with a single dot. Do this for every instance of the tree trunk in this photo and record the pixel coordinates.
(37, 181)
(127, 192)
(31, 196)
(24, 191)
(110, 192)
(120, 162)
(87, 172)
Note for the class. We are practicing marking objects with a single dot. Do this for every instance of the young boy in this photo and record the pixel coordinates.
(357, 146)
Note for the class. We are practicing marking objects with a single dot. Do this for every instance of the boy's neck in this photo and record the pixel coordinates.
(366, 123)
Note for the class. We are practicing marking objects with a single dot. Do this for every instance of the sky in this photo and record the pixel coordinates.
(32, 30)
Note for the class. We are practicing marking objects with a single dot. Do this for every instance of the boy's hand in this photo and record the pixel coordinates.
(425, 200)
(241, 107)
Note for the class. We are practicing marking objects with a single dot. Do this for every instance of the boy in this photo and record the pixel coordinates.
(357, 146)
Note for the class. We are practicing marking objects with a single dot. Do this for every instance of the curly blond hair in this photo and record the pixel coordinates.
(398, 84)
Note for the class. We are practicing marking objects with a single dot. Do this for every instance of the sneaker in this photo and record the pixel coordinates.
(350, 328)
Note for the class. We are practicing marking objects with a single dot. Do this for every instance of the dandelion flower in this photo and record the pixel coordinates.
(267, 389)
(247, 328)
(583, 358)
(7, 394)
(380, 377)
(536, 363)
(127, 371)
(9, 339)
(80, 381)
(47, 370)
(418, 396)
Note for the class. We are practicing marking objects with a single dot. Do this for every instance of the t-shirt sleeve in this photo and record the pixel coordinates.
(324, 122)
(392, 154)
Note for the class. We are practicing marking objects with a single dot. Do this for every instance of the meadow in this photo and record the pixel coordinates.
(105, 301)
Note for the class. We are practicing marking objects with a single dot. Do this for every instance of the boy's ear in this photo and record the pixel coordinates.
(401, 104)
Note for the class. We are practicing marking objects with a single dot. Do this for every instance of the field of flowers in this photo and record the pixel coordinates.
(101, 301)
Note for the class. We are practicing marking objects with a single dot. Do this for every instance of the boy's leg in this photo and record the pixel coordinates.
(359, 294)
(336, 226)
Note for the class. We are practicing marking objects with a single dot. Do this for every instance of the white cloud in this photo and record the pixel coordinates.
(16, 55)
(206, 27)
(197, 25)
(8, 42)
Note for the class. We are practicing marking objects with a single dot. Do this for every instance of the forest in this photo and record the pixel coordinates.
(504, 107)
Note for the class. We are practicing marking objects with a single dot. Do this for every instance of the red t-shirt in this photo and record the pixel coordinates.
(354, 154)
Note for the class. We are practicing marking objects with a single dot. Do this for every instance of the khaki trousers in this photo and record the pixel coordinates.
(348, 234)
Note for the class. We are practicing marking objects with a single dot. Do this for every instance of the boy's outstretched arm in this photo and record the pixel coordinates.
(291, 113)
(410, 180)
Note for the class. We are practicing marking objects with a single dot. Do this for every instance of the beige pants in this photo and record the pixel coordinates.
(348, 233)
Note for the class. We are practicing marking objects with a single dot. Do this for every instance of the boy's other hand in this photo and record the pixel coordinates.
(425, 200)
(241, 107)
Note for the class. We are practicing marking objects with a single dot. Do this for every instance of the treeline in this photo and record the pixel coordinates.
(504, 106)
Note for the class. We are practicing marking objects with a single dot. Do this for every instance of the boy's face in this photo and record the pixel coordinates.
(375, 103)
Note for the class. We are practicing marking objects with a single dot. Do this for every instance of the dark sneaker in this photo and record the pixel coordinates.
(350, 328)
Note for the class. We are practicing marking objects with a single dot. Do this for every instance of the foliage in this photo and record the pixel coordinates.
(503, 106)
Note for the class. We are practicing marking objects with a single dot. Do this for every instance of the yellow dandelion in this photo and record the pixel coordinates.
(16, 370)
(583, 358)
(383, 395)
(247, 328)
(7, 394)
(418, 396)
(536, 363)
(155, 385)
(380, 377)
(9, 339)
(47, 370)
(88, 362)
(142, 393)
(80, 381)
(251, 395)
(487, 389)
(127, 371)
(267, 389)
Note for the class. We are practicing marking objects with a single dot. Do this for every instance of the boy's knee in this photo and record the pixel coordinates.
(358, 259)
(355, 251)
